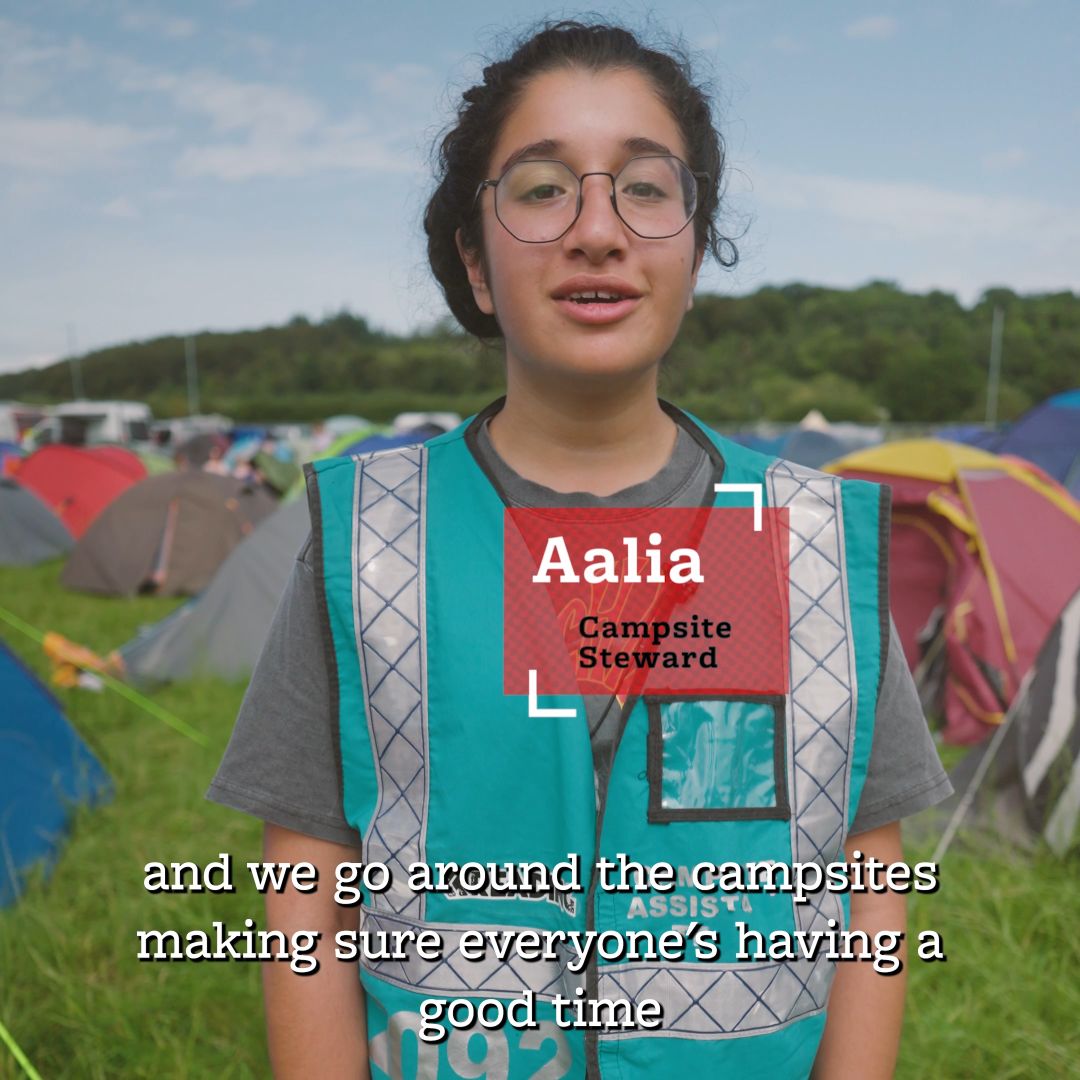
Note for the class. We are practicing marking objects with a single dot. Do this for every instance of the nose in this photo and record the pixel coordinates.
(598, 231)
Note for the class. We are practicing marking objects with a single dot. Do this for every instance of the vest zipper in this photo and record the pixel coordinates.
(592, 977)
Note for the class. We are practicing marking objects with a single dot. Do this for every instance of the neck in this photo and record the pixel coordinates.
(582, 435)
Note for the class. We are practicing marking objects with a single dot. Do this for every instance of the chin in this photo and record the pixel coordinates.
(603, 365)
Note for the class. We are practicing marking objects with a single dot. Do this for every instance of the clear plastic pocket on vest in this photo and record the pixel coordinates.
(716, 759)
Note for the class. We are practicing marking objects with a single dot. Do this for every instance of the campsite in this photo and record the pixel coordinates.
(1005, 911)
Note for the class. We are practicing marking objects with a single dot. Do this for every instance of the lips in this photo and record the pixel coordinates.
(605, 290)
(596, 300)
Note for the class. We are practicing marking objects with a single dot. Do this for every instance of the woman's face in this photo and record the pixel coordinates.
(594, 122)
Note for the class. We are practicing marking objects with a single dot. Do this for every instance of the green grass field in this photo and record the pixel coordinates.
(1004, 1005)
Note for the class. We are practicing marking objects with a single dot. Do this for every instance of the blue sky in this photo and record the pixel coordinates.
(169, 167)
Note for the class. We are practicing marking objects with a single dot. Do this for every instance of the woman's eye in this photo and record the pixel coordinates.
(542, 193)
(644, 190)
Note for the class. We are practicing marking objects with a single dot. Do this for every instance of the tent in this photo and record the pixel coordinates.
(155, 461)
(340, 447)
(770, 444)
(47, 770)
(30, 532)
(166, 535)
(367, 441)
(815, 447)
(372, 442)
(10, 454)
(1049, 436)
(196, 451)
(1024, 783)
(971, 434)
(221, 632)
(79, 482)
(987, 548)
(275, 472)
(815, 441)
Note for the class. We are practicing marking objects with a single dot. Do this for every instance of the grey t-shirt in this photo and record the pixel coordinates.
(281, 764)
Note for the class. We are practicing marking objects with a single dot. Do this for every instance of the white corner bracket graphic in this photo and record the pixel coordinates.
(755, 490)
(534, 708)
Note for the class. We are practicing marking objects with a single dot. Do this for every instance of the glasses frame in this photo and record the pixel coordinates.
(700, 177)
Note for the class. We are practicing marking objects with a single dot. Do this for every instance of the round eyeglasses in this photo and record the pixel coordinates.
(538, 201)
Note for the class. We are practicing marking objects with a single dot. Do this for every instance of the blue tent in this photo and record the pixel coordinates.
(814, 448)
(1048, 435)
(370, 443)
(8, 450)
(763, 444)
(969, 434)
(45, 770)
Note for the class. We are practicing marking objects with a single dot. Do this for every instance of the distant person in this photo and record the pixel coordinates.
(576, 197)
(321, 438)
(215, 461)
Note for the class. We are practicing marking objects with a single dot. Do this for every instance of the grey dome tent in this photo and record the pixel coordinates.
(221, 631)
(1024, 783)
(30, 533)
(167, 534)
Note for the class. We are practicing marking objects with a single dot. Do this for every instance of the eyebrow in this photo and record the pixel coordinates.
(641, 145)
(543, 149)
(547, 148)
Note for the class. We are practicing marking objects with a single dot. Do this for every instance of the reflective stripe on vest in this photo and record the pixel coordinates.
(389, 624)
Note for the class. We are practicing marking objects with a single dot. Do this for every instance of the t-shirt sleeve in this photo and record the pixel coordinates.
(282, 762)
(905, 773)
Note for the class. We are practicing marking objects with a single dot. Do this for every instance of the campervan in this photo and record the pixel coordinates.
(17, 418)
(84, 423)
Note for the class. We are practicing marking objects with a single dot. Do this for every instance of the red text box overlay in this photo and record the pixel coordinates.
(724, 634)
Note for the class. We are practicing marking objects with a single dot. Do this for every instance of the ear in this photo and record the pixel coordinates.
(474, 268)
(699, 258)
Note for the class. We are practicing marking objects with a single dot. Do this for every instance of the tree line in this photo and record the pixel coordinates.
(866, 354)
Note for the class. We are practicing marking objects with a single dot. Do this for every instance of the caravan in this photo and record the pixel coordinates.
(87, 423)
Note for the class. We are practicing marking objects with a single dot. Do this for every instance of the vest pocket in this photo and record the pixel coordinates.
(718, 758)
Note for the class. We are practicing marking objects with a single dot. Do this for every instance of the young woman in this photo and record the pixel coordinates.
(576, 200)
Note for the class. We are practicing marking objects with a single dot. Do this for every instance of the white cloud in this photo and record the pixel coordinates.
(922, 210)
(786, 44)
(1003, 160)
(873, 27)
(234, 106)
(150, 21)
(65, 143)
(26, 194)
(278, 131)
(334, 150)
(403, 82)
(258, 45)
(121, 207)
(29, 66)
(710, 42)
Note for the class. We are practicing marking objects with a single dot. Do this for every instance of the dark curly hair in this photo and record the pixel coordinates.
(464, 151)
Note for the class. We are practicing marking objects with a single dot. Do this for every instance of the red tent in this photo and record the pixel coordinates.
(989, 544)
(79, 482)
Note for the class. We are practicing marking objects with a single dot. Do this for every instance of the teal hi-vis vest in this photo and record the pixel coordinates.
(440, 766)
